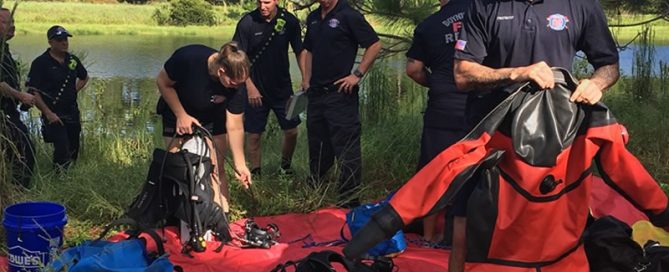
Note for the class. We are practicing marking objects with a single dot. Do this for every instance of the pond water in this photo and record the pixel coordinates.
(122, 93)
(143, 56)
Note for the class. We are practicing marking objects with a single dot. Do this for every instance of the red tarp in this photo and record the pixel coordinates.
(324, 225)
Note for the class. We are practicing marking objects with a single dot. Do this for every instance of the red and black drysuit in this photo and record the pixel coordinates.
(531, 159)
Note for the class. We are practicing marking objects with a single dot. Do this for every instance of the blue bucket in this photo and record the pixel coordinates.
(34, 234)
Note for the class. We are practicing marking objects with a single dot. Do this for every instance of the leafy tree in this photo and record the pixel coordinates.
(185, 12)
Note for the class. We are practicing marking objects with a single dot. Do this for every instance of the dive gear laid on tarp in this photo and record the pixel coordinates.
(657, 257)
(357, 217)
(127, 255)
(257, 237)
(325, 225)
(179, 186)
(322, 262)
(609, 246)
(531, 159)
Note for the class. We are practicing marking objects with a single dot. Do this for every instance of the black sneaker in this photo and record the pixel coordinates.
(255, 171)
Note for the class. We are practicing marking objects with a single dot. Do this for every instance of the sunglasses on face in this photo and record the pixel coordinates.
(59, 39)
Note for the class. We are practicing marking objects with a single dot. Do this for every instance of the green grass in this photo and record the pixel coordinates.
(647, 121)
(117, 149)
(105, 19)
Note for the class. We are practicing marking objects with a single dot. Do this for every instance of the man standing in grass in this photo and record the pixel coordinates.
(264, 34)
(57, 77)
(444, 118)
(15, 142)
(335, 31)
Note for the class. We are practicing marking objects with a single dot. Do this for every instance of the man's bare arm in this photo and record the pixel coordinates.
(305, 62)
(8, 91)
(415, 69)
(606, 76)
(591, 90)
(369, 56)
(470, 75)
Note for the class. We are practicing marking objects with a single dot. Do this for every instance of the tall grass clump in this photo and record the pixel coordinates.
(10, 192)
(112, 166)
(642, 70)
(641, 103)
(390, 110)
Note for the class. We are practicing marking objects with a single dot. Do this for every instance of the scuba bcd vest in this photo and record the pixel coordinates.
(179, 187)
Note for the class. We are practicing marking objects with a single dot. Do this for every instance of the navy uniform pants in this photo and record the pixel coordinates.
(64, 137)
(19, 148)
(333, 129)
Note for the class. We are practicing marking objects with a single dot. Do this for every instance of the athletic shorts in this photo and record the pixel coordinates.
(255, 118)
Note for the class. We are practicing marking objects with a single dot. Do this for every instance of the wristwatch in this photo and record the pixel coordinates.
(357, 73)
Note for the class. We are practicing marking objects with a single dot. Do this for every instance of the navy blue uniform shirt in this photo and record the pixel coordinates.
(10, 75)
(517, 33)
(188, 67)
(433, 44)
(57, 81)
(333, 42)
(514, 33)
(271, 69)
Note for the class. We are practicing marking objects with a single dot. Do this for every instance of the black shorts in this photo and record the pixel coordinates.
(435, 140)
(217, 127)
(255, 118)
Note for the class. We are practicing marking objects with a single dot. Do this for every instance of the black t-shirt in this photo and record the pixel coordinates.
(433, 44)
(57, 81)
(518, 33)
(10, 75)
(195, 87)
(334, 40)
(271, 69)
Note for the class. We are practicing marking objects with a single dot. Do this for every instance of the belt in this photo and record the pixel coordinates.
(325, 89)
(331, 88)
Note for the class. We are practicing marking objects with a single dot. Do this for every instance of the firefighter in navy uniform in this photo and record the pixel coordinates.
(265, 34)
(56, 77)
(504, 42)
(334, 33)
(16, 133)
(199, 86)
(430, 64)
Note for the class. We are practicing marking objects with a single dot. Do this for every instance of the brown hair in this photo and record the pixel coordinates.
(234, 61)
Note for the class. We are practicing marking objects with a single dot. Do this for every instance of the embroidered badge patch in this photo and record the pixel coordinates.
(557, 22)
(333, 23)
(280, 25)
(72, 65)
